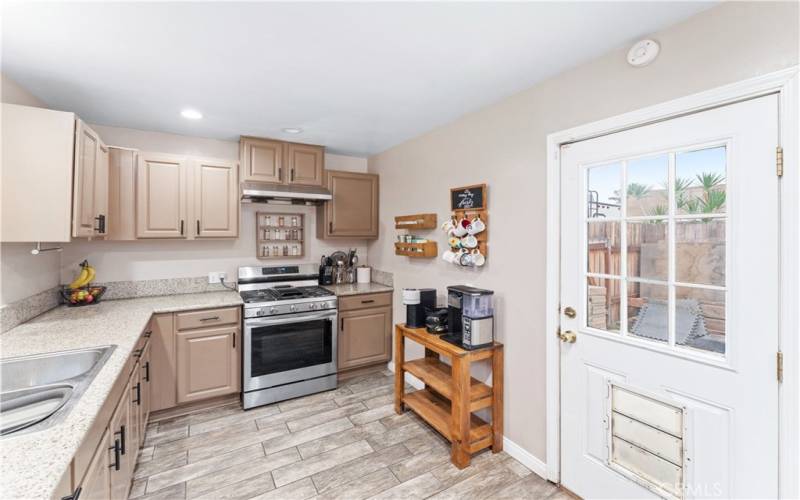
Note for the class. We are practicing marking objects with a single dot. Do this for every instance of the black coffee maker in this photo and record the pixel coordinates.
(455, 299)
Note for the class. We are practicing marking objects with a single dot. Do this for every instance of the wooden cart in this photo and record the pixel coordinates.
(451, 395)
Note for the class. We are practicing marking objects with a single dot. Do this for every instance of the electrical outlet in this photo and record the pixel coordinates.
(214, 277)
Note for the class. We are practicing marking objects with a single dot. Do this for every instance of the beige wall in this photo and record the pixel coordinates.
(139, 260)
(504, 145)
(23, 274)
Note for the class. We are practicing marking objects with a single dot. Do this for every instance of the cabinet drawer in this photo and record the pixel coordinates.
(208, 317)
(364, 301)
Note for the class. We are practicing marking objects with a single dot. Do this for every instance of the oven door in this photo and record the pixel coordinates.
(281, 350)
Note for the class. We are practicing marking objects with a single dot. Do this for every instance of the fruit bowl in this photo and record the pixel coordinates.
(83, 296)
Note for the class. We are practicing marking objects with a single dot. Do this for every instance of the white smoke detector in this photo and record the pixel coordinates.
(643, 53)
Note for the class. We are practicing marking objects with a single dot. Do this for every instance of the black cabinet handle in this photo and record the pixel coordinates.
(181, 227)
(330, 227)
(75, 494)
(234, 340)
(198, 227)
(370, 301)
(117, 458)
(341, 325)
(122, 439)
(138, 390)
(148, 333)
(147, 372)
(138, 352)
(292, 178)
(101, 223)
(280, 174)
(210, 318)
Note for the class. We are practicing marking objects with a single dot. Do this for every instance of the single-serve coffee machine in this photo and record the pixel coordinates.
(470, 316)
(418, 303)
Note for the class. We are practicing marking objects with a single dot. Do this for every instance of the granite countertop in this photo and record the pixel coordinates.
(357, 288)
(33, 463)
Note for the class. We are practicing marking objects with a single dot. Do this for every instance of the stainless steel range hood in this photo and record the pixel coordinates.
(257, 192)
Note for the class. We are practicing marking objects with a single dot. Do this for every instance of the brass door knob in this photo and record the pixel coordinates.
(569, 312)
(568, 336)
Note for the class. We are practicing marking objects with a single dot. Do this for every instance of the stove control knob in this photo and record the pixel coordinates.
(312, 306)
(292, 308)
(272, 310)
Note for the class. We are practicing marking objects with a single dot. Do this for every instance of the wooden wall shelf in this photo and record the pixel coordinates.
(427, 249)
(416, 221)
(451, 395)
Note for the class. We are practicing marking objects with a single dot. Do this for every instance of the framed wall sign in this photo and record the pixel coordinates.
(468, 197)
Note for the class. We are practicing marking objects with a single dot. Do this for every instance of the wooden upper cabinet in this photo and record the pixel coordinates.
(262, 160)
(207, 363)
(353, 211)
(90, 187)
(216, 198)
(122, 193)
(305, 163)
(161, 193)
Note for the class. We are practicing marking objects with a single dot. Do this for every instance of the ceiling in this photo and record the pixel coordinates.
(357, 77)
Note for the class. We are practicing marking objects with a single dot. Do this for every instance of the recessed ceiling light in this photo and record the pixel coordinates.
(191, 114)
(293, 130)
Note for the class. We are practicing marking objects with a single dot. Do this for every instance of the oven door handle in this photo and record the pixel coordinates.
(285, 320)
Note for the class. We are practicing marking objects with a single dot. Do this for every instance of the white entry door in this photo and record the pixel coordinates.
(669, 308)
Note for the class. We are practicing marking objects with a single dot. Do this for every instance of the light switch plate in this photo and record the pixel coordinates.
(214, 277)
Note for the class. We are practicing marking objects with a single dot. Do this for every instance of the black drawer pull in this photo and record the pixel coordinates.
(117, 458)
(138, 352)
(212, 318)
(370, 301)
(138, 390)
(234, 340)
(122, 438)
(147, 372)
(75, 494)
(148, 333)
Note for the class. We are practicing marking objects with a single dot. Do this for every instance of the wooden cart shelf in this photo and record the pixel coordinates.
(451, 395)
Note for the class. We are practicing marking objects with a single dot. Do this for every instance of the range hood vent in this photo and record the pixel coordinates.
(258, 192)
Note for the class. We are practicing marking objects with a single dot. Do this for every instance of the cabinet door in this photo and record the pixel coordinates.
(86, 165)
(262, 160)
(146, 392)
(306, 164)
(161, 196)
(364, 337)
(208, 363)
(119, 439)
(97, 480)
(162, 361)
(101, 222)
(353, 211)
(216, 198)
(121, 194)
(133, 438)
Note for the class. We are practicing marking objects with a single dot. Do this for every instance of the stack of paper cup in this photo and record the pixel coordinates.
(363, 274)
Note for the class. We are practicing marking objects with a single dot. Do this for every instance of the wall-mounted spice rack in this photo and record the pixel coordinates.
(279, 235)
(412, 246)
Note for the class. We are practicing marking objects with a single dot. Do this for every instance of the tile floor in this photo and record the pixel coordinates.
(346, 444)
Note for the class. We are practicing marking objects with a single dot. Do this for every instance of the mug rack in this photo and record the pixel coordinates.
(470, 202)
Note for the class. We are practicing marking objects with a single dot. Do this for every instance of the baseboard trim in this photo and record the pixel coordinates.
(410, 379)
(521, 455)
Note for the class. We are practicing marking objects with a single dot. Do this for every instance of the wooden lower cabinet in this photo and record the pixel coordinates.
(207, 363)
(364, 337)
(162, 361)
(121, 446)
(96, 483)
(147, 391)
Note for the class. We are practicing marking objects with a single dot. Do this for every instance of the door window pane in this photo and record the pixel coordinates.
(603, 241)
(603, 304)
(647, 192)
(700, 251)
(648, 311)
(648, 252)
(700, 181)
(603, 197)
(700, 319)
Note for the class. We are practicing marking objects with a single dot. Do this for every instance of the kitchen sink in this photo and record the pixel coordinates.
(38, 391)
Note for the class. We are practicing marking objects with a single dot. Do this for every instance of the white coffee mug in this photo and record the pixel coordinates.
(469, 241)
(476, 226)
(449, 225)
(478, 259)
(449, 256)
(459, 230)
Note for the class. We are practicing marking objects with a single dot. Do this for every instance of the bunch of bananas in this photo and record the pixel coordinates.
(85, 277)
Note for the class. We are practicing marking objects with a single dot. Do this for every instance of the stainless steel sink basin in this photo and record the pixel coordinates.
(39, 391)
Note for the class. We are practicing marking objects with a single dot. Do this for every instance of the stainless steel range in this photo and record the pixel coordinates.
(289, 334)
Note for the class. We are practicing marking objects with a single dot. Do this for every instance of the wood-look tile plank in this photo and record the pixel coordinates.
(138, 487)
(427, 441)
(332, 441)
(379, 400)
(449, 474)
(481, 485)
(363, 396)
(371, 383)
(299, 490)
(197, 417)
(396, 435)
(231, 419)
(368, 416)
(190, 441)
(363, 487)
(221, 478)
(350, 471)
(306, 468)
(243, 490)
(173, 492)
(314, 398)
(296, 413)
(155, 465)
(325, 416)
(203, 467)
(229, 443)
(420, 487)
(166, 437)
(531, 487)
(519, 469)
(416, 465)
(297, 438)
(145, 454)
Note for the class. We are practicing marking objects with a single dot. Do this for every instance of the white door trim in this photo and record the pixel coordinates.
(786, 83)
